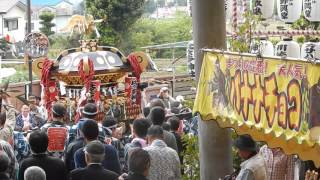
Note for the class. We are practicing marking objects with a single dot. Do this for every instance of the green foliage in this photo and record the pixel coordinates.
(147, 32)
(301, 39)
(191, 162)
(304, 24)
(236, 158)
(191, 159)
(21, 75)
(242, 42)
(62, 42)
(188, 103)
(274, 41)
(46, 19)
(121, 15)
(4, 45)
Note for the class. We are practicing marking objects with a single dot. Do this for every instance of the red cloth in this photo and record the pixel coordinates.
(87, 78)
(45, 78)
(133, 60)
(47, 83)
(7, 38)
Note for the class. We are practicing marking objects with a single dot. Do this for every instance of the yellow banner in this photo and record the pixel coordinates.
(276, 101)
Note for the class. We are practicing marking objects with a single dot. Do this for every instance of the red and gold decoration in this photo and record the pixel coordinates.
(94, 73)
(91, 73)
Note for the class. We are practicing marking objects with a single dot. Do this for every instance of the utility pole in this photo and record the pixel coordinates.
(29, 60)
(209, 31)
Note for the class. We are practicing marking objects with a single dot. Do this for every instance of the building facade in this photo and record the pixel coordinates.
(13, 19)
(63, 11)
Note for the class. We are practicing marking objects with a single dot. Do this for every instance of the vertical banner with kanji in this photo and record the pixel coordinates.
(276, 101)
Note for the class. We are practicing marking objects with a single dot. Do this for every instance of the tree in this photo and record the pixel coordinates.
(46, 19)
(121, 15)
(150, 6)
(148, 31)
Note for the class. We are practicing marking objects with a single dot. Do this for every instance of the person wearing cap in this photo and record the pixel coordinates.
(253, 167)
(90, 132)
(90, 111)
(165, 97)
(165, 163)
(57, 131)
(76, 137)
(94, 156)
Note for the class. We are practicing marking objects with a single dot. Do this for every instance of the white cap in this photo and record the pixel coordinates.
(163, 89)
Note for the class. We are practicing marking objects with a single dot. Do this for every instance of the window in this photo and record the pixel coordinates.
(11, 24)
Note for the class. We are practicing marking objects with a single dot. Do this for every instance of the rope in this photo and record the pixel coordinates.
(234, 16)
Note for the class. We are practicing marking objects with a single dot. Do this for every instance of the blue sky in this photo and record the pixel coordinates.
(44, 2)
(52, 2)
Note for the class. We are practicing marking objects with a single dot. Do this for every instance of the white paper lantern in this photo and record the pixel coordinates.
(288, 48)
(310, 51)
(311, 10)
(289, 10)
(264, 8)
(267, 48)
(264, 46)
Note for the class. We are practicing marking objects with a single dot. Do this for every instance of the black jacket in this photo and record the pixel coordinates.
(70, 151)
(4, 176)
(53, 167)
(93, 171)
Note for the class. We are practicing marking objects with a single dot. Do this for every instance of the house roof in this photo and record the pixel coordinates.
(64, 1)
(6, 5)
(51, 6)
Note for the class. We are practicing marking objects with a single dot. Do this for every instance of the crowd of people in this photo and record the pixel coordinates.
(32, 148)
